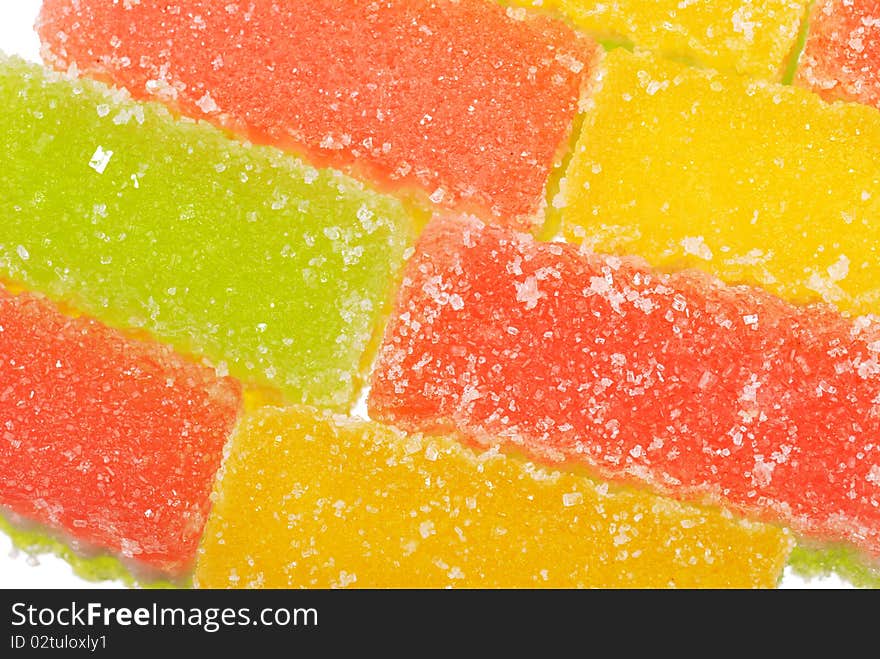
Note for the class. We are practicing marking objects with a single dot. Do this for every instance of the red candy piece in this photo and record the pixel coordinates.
(456, 97)
(842, 56)
(114, 442)
(700, 390)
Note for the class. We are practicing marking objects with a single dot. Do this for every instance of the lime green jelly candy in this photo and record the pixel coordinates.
(273, 269)
(35, 541)
(814, 561)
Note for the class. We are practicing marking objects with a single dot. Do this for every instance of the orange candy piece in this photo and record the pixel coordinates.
(842, 56)
(461, 99)
(700, 390)
(111, 441)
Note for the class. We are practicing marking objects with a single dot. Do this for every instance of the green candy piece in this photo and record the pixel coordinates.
(243, 254)
(810, 561)
(93, 566)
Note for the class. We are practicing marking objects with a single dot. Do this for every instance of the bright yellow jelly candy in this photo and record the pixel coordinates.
(319, 501)
(754, 37)
(755, 182)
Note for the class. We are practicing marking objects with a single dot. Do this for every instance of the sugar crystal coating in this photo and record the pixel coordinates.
(455, 98)
(754, 182)
(699, 390)
(274, 270)
(307, 500)
(842, 56)
(753, 37)
(112, 441)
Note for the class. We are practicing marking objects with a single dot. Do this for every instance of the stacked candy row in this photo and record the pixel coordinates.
(281, 274)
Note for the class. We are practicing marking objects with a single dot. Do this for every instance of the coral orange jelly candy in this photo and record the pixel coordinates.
(842, 56)
(461, 99)
(700, 390)
(112, 442)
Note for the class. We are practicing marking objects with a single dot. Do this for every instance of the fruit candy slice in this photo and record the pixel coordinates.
(754, 38)
(267, 266)
(313, 501)
(842, 55)
(113, 442)
(755, 182)
(701, 391)
(454, 97)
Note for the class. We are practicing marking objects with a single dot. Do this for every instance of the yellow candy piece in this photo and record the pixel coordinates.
(755, 182)
(317, 501)
(753, 37)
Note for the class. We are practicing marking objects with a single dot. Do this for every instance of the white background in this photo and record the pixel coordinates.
(16, 569)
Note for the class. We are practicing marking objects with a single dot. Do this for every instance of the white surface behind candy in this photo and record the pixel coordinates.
(17, 36)
(17, 570)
